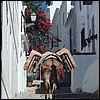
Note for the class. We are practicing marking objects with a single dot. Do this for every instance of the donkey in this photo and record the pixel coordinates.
(51, 69)
(51, 78)
(51, 66)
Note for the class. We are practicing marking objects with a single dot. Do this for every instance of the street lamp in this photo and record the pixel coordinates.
(33, 16)
(32, 19)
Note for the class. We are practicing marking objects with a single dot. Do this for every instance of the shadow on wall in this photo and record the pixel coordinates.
(91, 78)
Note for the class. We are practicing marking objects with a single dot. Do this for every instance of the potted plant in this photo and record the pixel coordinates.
(29, 80)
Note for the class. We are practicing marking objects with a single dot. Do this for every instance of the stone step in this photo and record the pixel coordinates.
(72, 95)
(61, 90)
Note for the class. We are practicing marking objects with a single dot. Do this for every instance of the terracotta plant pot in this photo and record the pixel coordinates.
(29, 84)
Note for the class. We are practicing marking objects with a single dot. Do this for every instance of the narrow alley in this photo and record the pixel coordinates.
(53, 42)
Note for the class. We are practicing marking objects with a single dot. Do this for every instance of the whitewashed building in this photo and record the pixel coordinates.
(85, 26)
(13, 54)
(58, 28)
(81, 37)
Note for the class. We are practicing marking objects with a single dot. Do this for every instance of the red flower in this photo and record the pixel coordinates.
(45, 49)
(43, 25)
(43, 22)
(41, 47)
(37, 42)
(30, 36)
(44, 37)
(37, 49)
(50, 38)
(31, 46)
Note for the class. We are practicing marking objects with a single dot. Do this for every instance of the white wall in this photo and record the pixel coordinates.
(60, 16)
(4, 95)
(86, 75)
(61, 23)
(70, 25)
(11, 46)
(94, 10)
(81, 21)
(22, 55)
(83, 63)
(91, 78)
(54, 25)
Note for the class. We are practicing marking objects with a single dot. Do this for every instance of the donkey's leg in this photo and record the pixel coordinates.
(53, 95)
(49, 93)
(45, 94)
(54, 90)
(46, 88)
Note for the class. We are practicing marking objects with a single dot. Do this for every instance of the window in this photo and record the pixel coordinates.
(57, 36)
(89, 42)
(80, 5)
(87, 2)
(74, 40)
(70, 33)
(63, 18)
(82, 38)
(93, 33)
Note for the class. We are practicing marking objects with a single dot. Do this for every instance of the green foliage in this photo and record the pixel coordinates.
(30, 78)
(38, 33)
(34, 5)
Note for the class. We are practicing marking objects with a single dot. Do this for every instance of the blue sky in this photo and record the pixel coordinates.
(44, 6)
(56, 4)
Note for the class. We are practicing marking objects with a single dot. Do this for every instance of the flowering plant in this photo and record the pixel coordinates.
(41, 26)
